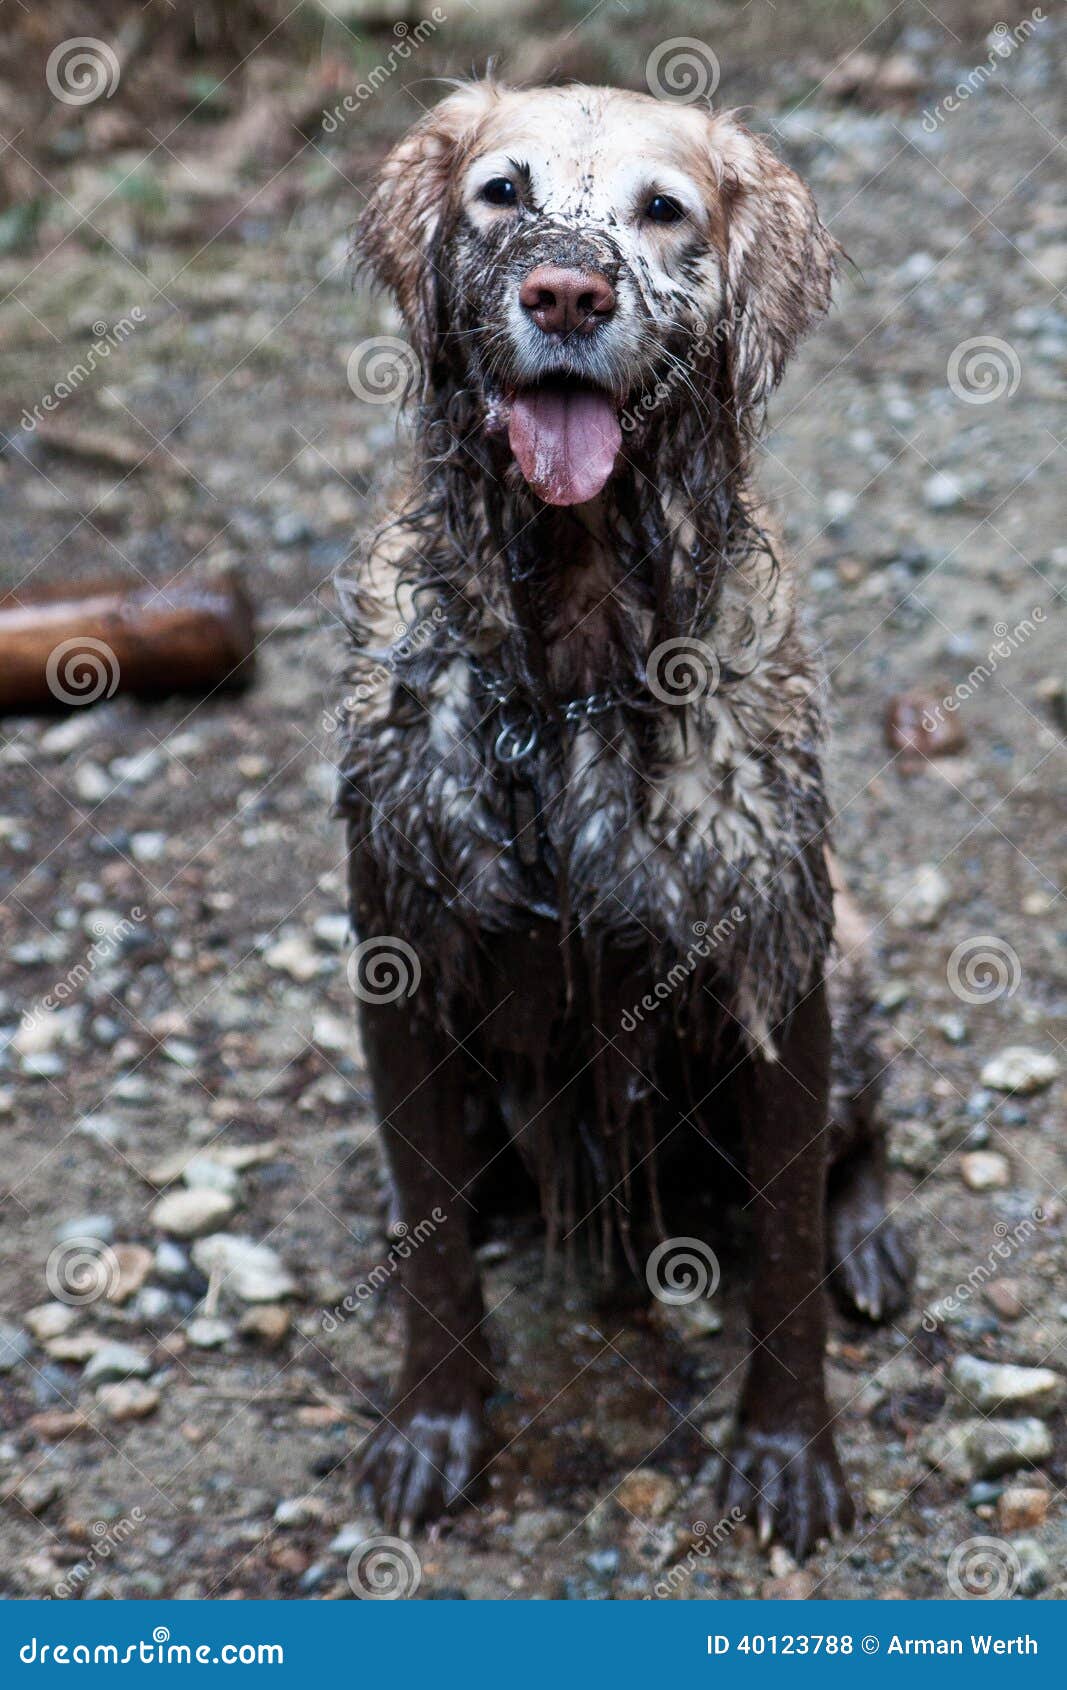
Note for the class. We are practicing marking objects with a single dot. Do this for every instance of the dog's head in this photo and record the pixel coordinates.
(593, 265)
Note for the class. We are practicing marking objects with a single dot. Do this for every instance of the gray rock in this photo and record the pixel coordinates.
(191, 1213)
(1034, 1566)
(253, 1272)
(15, 1346)
(535, 1527)
(989, 1385)
(983, 1449)
(115, 1361)
(352, 1534)
(1020, 1069)
(206, 1333)
(101, 1227)
(205, 1174)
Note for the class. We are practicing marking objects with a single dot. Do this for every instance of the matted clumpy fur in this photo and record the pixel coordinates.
(615, 925)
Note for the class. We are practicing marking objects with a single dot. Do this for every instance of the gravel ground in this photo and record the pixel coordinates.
(213, 1019)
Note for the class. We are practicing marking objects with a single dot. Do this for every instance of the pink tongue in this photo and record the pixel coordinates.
(564, 443)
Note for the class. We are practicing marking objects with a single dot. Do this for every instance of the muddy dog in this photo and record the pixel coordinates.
(587, 819)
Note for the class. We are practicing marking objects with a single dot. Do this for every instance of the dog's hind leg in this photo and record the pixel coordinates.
(423, 1456)
(870, 1266)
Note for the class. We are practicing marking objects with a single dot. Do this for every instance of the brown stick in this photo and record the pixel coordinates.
(70, 647)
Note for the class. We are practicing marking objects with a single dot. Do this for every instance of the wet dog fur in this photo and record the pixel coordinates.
(584, 788)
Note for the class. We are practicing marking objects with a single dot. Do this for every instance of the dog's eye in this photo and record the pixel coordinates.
(663, 209)
(499, 191)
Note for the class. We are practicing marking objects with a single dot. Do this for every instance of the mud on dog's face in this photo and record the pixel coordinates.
(592, 264)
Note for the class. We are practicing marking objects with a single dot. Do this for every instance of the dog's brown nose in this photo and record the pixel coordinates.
(563, 301)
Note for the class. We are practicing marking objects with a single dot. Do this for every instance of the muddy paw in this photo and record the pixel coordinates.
(788, 1487)
(870, 1271)
(419, 1462)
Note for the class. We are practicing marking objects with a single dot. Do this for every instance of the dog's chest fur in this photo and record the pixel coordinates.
(641, 827)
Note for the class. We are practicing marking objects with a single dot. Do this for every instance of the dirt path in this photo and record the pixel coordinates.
(927, 524)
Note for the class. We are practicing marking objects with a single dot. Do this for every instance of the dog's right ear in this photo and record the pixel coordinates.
(395, 236)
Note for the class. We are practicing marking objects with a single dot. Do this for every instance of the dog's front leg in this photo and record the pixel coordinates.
(420, 1460)
(784, 1472)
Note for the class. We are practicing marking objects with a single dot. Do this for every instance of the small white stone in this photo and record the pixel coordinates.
(293, 955)
(203, 1173)
(989, 1385)
(985, 1170)
(206, 1333)
(923, 897)
(191, 1213)
(1018, 1068)
(253, 1272)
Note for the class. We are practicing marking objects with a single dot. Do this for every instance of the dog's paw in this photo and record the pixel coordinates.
(787, 1487)
(419, 1463)
(870, 1269)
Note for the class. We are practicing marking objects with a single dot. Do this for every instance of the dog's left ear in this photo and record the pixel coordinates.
(395, 235)
(780, 261)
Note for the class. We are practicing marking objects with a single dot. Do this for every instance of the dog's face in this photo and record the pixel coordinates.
(593, 263)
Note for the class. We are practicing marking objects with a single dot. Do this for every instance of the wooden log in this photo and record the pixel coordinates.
(76, 645)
